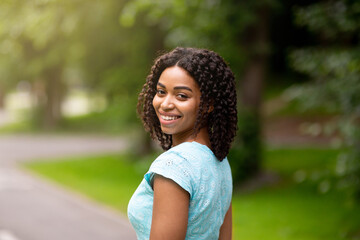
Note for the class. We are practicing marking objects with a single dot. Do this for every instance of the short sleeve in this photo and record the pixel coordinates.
(172, 166)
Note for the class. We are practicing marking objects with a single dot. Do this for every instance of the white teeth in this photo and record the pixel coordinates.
(169, 118)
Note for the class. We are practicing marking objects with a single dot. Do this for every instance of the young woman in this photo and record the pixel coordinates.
(188, 104)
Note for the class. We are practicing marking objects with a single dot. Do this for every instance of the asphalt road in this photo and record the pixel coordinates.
(34, 209)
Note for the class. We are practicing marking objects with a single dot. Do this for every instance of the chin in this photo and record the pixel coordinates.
(167, 131)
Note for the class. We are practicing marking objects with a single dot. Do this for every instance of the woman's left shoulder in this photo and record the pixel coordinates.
(192, 150)
(199, 155)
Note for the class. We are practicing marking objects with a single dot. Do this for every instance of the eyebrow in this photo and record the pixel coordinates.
(176, 88)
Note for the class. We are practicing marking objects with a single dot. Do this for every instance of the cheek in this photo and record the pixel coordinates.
(191, 108)
(155, 102)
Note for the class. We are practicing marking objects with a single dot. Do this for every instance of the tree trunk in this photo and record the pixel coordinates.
(49, 92)
(54, 92)
(257, 41)
(252, 84)
(251, 88)
(2, 98)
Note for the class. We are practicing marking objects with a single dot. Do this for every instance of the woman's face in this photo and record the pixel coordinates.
(176, 103)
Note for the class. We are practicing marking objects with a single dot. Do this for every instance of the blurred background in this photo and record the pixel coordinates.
(76, 67)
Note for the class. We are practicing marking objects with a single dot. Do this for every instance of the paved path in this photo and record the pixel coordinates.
(33, 209)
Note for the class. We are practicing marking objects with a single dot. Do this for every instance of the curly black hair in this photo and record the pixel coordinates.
(217, 86)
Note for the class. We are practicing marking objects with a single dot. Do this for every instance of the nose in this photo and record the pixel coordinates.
(167, 103)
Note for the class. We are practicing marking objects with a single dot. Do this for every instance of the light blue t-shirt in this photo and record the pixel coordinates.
(195, 168)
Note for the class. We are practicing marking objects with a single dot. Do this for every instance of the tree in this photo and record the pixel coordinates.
(37, 38)
(334, 67)
(47, 41)
(116, 64)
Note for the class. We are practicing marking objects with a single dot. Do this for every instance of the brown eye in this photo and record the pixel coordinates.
(160, 92)
(182, 96)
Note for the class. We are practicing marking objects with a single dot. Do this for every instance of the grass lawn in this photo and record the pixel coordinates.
(289, 210)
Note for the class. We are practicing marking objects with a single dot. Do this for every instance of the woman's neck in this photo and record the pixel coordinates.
(201, 137)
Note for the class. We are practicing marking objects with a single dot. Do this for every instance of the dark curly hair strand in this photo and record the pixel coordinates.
(217, 86)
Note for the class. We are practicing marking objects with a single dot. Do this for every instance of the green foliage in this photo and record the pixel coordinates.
(336, 74)
(37, 37)
(56, 45)
(334, 68)
(37, 34)
(217, 25)
(116, 62)
(333, 19)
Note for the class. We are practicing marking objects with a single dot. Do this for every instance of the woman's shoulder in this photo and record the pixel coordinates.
(190, 152)
(186, 163)
(192, 148)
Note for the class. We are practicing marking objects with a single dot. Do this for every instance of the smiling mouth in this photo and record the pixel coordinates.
(169, 118)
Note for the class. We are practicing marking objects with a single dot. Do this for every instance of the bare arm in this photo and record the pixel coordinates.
(170, 210)
(226, 228)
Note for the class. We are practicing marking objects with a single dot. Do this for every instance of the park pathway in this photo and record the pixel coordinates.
(33, 209)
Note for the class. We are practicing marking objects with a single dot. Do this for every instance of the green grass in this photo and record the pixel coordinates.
(17, 127)
(288, 210)
(287, 161)
(108, 179)
(292, 213)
